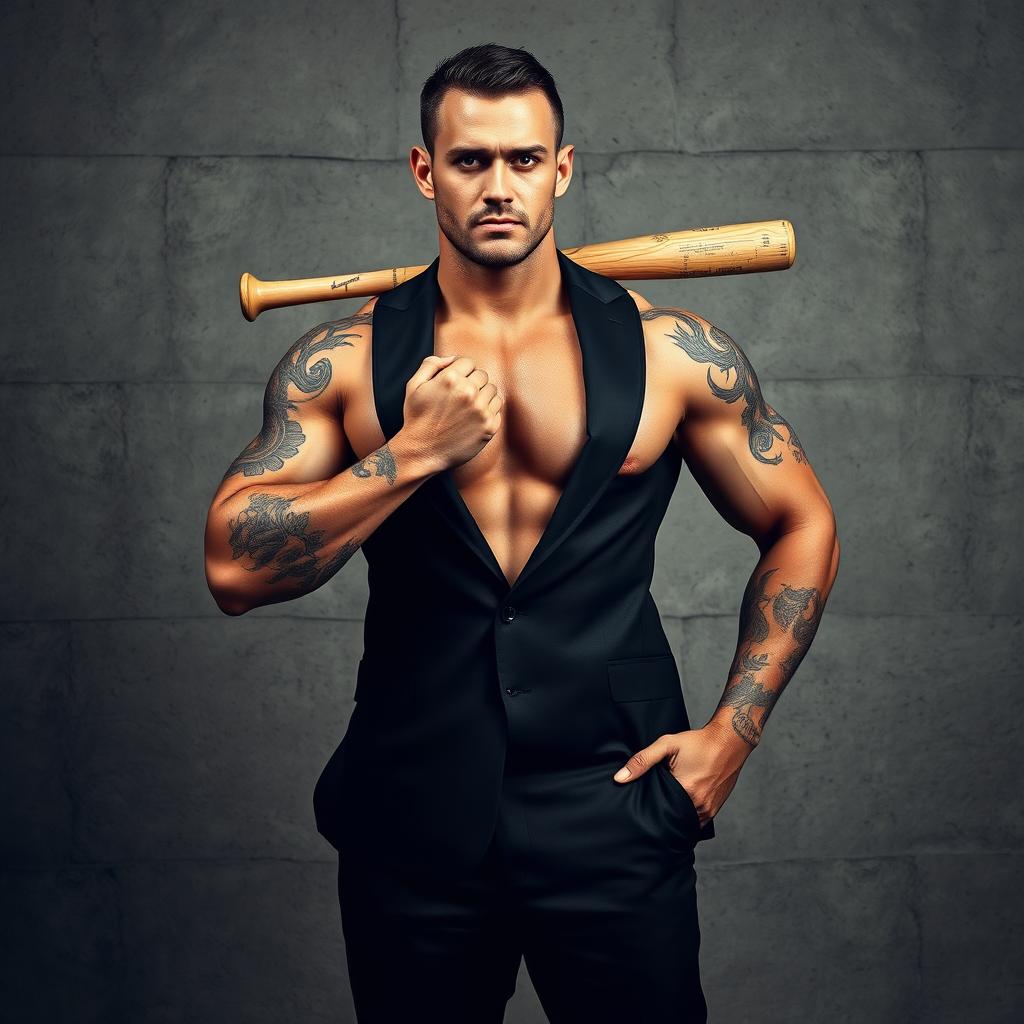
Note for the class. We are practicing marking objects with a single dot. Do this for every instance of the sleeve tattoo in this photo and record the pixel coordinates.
(795, 614)
(269, 535)
(273, 537)
(281, 437)
(778, 620)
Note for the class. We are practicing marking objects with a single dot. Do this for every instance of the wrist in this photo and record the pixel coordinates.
(729, 741)
(416, 459)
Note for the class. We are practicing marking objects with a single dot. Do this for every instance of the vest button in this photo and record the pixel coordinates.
(508, 613)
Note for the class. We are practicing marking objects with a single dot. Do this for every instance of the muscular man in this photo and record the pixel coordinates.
(501, 435)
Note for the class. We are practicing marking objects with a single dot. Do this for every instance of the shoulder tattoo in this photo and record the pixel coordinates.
(721, 352)
(280, 437)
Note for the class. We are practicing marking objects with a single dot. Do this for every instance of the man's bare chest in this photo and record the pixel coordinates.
(544, 417)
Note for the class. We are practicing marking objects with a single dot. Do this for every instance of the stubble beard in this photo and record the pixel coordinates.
(504, 253)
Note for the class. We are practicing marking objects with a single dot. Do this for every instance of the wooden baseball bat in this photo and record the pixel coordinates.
(693, 252)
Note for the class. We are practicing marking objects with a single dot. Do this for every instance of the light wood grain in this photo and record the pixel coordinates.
(751, 248)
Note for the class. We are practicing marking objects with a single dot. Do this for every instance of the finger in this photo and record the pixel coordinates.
(644, 759)
(430, 366)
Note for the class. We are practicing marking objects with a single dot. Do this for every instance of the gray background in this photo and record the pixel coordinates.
(160, 861)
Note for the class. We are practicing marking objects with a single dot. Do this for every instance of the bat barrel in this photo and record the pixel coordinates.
(751, 248)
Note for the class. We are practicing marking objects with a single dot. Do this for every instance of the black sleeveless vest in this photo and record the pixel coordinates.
(464, 677)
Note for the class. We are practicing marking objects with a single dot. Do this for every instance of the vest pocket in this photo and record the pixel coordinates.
(647, 698)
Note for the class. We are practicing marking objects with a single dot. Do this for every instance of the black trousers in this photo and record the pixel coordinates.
(591, 881)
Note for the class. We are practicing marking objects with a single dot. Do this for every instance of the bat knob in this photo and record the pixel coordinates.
(248, 296)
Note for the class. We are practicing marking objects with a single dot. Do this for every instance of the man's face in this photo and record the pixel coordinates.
(494, 157)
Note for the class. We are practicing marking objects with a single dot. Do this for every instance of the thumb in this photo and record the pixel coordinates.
(644, 759)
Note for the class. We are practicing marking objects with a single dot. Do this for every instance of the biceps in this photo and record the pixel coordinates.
(295, 445)
(302, 439)
(300, 444)
(756, 475)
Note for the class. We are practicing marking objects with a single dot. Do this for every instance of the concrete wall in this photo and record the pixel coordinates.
(159, 860)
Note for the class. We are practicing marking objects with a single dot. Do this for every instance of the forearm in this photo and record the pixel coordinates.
(781, 608)
(275, 542)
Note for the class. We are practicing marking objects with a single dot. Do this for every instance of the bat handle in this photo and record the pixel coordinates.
(255, 295)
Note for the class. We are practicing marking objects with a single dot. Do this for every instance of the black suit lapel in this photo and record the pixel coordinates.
(614, 367)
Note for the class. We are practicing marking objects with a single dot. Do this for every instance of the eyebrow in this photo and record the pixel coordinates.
(460, 151)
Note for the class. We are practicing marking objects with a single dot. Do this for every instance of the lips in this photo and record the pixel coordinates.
(503, 220)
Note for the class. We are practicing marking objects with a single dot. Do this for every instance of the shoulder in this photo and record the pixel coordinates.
(641, 302)
(329, 336)
(710, 367)
(660, 321)
(668, 328)
(326, 358)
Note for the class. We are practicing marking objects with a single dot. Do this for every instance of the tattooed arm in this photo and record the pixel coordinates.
(751, 465)
(294, 506)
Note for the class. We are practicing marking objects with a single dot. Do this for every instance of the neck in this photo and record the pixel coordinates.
(500, 297)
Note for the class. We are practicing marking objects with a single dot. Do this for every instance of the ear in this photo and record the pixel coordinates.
(563, 169)
(422, 170)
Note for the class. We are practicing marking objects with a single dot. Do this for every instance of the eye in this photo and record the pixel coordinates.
(461, 161)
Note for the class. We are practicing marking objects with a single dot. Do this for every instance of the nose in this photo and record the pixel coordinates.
(496, 185)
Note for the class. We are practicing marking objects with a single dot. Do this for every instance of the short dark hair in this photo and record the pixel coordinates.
(486, 70)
